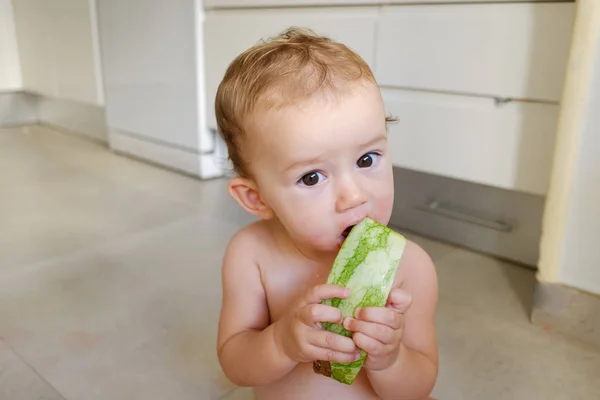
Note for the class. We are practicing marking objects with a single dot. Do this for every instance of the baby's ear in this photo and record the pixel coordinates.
(245, 191)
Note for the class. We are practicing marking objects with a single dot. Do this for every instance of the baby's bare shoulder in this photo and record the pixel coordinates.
(250, 240)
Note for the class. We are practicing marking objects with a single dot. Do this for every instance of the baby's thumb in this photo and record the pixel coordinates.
(400, 300)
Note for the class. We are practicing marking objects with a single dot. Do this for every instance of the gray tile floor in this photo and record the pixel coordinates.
(110, 289)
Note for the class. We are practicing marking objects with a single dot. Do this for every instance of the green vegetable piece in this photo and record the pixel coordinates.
(366, 264)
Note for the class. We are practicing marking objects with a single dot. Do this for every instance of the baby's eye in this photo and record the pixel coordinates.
(368, 160)
(311, 179)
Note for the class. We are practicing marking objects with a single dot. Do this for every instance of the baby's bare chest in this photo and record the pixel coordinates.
(286, 280)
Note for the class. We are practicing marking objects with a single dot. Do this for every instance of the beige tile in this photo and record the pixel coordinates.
(488, 347)
(138, 311)
(55, 216)
(241, 394)
(123, 172)
(19, 381)
(482, 357)
(22, 162)
(484, 284)
(14, 135)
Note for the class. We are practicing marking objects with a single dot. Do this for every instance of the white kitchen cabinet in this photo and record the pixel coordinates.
(228, 33)
(154, 83)
(284, 3)
(504, 50)
(473, 139)
(150, 70)
(299, 3)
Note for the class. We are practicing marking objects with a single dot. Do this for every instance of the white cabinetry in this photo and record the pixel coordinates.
(284, 3)
(154, 80)
(504, 50)
(473, 139)
(448, 71)
(301, 3)
(476, 86)
(229, 33)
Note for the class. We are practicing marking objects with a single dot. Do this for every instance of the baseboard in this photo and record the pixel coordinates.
(86, 119)
(498, 222)
(568, 311)
(179, 159)
(17, 108)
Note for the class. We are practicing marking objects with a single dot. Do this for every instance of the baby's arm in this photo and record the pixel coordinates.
(247, 350)
(254, 353)
(414, 374)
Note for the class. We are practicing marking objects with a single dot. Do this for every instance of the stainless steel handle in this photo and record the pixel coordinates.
(438, 208)
(502, 100)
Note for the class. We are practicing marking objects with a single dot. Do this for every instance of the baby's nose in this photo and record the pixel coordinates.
(350, 195)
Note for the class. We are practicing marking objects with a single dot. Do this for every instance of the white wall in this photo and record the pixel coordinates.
(10, 72)
(58, 49)
(569, 247)
(580, 265)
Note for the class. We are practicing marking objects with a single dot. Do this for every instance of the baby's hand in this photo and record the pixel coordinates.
(299, 333)
(379, 330)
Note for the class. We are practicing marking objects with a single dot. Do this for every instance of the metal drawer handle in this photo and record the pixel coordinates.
(438, 208)
(502, 100)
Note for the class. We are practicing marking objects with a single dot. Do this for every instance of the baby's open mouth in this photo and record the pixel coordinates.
(347, 231)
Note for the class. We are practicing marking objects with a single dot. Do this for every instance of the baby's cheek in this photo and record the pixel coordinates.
(384, 204)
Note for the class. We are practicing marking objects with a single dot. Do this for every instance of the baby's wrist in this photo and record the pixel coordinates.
(278, 339)
(391, 364)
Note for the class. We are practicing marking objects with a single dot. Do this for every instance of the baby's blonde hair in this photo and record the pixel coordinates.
(276, 73)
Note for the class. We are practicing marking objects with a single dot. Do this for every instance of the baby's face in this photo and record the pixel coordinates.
(324, 165)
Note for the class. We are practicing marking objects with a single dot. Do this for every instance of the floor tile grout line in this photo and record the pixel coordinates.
(34, 370)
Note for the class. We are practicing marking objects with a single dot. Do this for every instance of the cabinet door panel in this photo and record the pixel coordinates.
(284, 3)
(228, 33)
(508, 146)
(506, 50)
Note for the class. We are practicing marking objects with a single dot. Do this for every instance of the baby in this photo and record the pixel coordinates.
(306, 130)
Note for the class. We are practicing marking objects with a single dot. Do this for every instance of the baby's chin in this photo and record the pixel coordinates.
(326, 246)
(316, 241)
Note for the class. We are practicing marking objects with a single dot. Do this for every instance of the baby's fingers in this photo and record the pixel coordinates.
(400, 300)
(313, 314)
(325, 291)
(372, 346)
(379, 332)
(322, 354)
(381, 315)
(332, 341)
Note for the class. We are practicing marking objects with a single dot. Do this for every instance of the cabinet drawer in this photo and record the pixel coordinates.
(508, 50)
(508, 146)
(229, 33)
(283, 3)
(298, 3)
